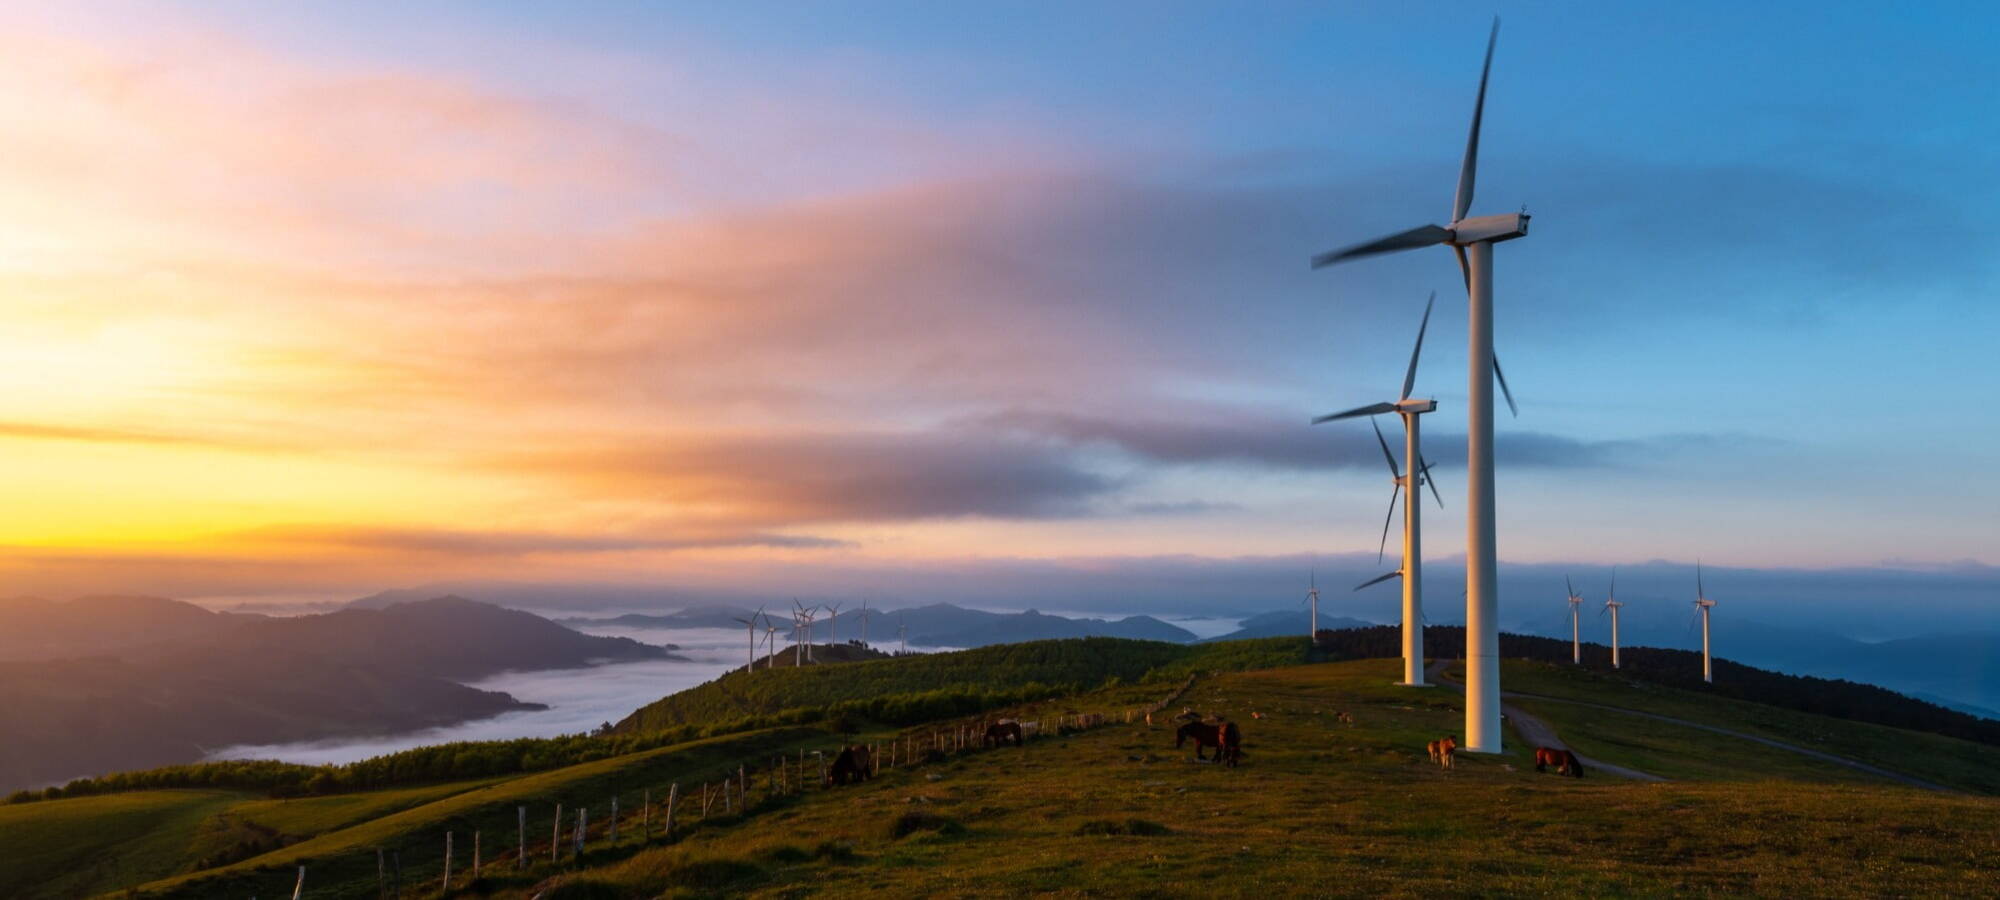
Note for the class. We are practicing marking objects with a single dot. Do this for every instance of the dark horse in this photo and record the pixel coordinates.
(1227, 741)
(1564, 760)
(1002, 731)
(850, 766)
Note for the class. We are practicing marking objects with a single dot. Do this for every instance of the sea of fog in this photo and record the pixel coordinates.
(578, 700)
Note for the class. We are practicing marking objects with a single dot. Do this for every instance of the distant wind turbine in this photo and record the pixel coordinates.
(1575, 623)
(1472, 240)
(864, 621)
(1411, 571)
(1702, 605)
(1312, 595)
(770, 644)
(832, 629)
(1611, 605)
(751, 623)
(902, 635)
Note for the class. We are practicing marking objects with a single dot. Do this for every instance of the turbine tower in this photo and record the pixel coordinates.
(864, 621)
(1472, 240)
(1702, 605)
(770, 644)
(832, 629)
(1611, 605)
(805, 615)
(1412, 568)
(1575, 623)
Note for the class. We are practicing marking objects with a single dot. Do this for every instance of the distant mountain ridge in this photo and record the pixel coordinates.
(1286, 623)
(935, 625)
(258, 680)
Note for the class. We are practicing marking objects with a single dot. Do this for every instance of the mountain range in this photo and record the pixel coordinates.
(102, 684)
(935, 625)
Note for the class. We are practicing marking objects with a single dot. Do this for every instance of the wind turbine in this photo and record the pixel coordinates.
(833, 630)
(770, 644)
(1471, 240)
(902, 635)
(806, 615)
(1575, 623)
(1611, 605)
(1412, 569)
(1312, 594)
(1702, 605)
(751, 623)
(864, 621)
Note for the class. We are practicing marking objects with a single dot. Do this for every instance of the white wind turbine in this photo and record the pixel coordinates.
(864, 621)
(751, 623)
(770, 644)
(1702, 605)
(1411, 570)
(1312, 595)
(833, 630)
(1611, 605)
(1472, 240)
(1575, 623)
(902, 635)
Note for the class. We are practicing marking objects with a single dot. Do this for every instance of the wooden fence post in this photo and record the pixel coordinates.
(743, 787)
(447, 862)
(299, 888)
(646, 817)
(381, 873)
(582, 828)
(673, 797)
(521, 829)
(555, 837)
(725, 795)
(396, 873)
(475, 853)
(614, 820)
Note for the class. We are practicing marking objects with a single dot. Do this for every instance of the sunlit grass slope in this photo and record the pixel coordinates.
(1321, 807)
(68, 848)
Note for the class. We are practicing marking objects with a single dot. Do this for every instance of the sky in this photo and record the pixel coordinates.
(1010, 298)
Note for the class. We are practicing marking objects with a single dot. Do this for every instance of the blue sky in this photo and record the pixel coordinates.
(1753, 322)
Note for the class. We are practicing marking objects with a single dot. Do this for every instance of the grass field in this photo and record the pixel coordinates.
(69, 848)
(1322, 808)
(1962, 764)
(1318, 807)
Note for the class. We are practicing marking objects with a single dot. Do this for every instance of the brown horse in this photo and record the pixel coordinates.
(1224, 737)
(1000, 732)
(1565, 761)
(850, 766)
(1444, 752)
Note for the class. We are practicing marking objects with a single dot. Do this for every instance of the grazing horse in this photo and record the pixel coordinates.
(1000, 732)
(1224, 737)
(1445, 751)
(850, 766)
(1565, 761)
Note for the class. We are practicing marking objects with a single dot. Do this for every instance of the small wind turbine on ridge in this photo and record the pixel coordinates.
(1575, 623)
(1702, 605)
(1611, 605)
(751, 623)
(1312, 595)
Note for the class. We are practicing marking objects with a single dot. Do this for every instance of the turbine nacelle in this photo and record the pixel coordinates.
(1488, 229)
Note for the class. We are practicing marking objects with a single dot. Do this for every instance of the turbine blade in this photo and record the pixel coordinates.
(1470, 166)
(1410, 377)
(1433, 483)
(1420, 236)
(1391, 457)
(1699, 594)
(1384, 546)
(1372, 409)
(1504, 392)
(1464, 269)
(1379, 579)
(1567, 584)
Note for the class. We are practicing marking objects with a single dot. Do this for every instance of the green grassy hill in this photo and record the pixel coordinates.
(1318, 806)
